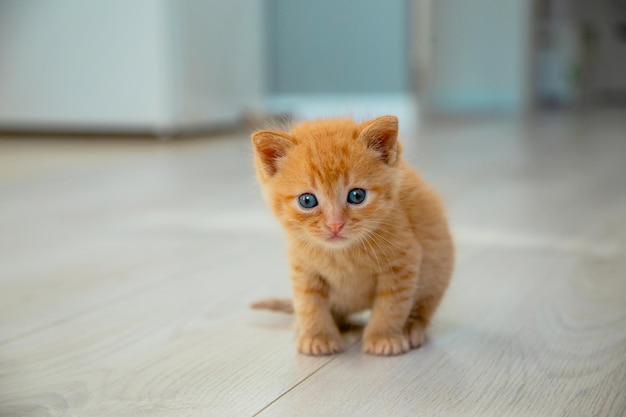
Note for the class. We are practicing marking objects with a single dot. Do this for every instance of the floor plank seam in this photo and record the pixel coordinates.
(302, 381)
(292, 388)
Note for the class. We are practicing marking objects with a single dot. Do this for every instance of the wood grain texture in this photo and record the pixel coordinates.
(545, 339)
(126, 271)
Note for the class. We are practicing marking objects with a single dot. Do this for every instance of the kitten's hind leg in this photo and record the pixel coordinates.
(435, 276)
(418, 320)
(416, 331)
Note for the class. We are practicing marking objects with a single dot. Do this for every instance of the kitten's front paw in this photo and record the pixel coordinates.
(319, 345)
(386, 345)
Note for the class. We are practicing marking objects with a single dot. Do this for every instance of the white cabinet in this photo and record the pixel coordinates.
(117, 65)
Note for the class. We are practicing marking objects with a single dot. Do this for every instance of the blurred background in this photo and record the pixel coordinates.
(165, 67)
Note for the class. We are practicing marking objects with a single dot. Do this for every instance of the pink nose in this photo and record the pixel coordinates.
(335, 227)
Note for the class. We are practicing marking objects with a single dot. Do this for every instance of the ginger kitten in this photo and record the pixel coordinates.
(364, 231)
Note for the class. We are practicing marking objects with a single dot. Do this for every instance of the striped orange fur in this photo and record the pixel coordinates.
(377, 237)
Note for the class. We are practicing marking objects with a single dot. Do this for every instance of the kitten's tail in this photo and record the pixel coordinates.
(281, 305)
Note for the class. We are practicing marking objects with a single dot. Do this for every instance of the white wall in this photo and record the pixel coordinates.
(218, 54)
(151, 65)
(480, 56)
(81, 63)
(338, 47)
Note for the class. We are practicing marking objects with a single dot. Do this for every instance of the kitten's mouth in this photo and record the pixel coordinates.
(331, 239)
(336, 239)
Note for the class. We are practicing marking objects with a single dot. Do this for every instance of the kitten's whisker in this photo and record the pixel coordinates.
(371, 250)
(383, 252)
(372, 241)
(389, 242)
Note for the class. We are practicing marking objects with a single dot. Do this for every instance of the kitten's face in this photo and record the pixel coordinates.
(331, 183)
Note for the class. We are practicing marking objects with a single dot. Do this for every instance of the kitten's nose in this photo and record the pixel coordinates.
(335, 227)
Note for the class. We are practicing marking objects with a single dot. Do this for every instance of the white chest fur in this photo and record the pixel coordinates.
(351, 284)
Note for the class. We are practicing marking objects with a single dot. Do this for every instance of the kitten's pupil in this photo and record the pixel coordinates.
(307, 201)
(356, 196)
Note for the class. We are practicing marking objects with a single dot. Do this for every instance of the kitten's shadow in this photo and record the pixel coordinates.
(440, 328)
(352, 329)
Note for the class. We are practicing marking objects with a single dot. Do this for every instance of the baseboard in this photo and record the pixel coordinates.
(358, 106)
(113, 131)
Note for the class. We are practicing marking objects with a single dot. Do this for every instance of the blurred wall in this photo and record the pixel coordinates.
(87, 63)
(337, 46)
(218, 56)
(480, 56)
(155, 65)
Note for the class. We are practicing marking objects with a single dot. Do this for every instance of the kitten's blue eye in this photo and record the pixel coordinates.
(356, 196)
(307, 201)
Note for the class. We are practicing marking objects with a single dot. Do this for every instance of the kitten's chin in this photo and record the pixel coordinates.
(329, 241)
(335, 242)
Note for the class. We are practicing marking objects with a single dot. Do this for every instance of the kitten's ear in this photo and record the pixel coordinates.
(270, 147)
(381, 135)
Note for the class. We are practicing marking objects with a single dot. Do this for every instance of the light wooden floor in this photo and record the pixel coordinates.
(127, 268)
